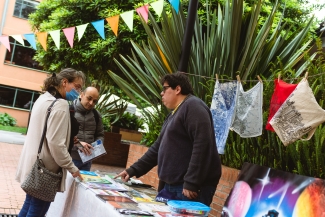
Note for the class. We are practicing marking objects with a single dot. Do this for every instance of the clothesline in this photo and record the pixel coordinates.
(223, 79)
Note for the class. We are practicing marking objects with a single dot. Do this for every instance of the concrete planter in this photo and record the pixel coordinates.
(226, 183)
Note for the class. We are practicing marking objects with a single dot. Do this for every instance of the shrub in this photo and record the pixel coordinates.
(7, 120)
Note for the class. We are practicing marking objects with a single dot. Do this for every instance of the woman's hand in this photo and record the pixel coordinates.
(77, 174)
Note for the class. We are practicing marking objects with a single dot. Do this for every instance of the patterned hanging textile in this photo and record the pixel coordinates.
(248, 121)
(299, 115)
(222, 109)
(281, 92)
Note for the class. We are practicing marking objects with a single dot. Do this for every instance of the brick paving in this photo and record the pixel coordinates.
(11, 195)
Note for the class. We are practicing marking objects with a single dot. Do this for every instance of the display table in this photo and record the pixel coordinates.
(77, 201)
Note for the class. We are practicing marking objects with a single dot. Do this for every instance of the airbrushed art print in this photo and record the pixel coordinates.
(265, 192)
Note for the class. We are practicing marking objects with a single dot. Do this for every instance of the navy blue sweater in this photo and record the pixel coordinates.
(185, 150)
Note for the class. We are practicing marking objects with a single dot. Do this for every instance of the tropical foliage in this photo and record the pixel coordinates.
(231, 43)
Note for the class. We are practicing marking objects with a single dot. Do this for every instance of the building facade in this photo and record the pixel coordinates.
(21, 77)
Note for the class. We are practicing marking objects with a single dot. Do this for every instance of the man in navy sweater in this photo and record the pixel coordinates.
(189, 166)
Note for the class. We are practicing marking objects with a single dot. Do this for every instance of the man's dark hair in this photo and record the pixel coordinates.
(178, 79)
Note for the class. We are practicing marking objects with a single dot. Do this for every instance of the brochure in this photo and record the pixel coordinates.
(94, 179)
(151, 207)
(90, 173)
(134, 212)
(115, 198)
(139, 197)
(98, 151)
(122, 205)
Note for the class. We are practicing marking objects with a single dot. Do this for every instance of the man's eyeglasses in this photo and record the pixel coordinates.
(164, 88)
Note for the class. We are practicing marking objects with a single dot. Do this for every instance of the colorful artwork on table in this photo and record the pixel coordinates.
(265, 192)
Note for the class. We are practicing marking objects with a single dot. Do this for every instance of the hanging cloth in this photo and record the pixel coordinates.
(281, 92)
(222, 109)
(299, 115)
(248, 118)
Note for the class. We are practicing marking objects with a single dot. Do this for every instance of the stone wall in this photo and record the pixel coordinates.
(226, 183)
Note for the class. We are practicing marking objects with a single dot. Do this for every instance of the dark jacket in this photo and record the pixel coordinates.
(185, 150)
(88, 131)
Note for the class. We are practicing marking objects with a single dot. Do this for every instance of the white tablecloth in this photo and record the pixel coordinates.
(77, 201)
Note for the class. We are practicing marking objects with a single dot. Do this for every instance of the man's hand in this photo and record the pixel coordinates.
(124, 175)
(86, 148)
(77, 174)
(190, 194)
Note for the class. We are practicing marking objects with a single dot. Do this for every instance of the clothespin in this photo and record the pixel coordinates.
(306, 75)
(258, 77)
(217, 77)
(238, 78)
(279, 76)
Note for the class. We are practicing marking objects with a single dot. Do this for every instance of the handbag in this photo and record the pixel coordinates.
(41, 182)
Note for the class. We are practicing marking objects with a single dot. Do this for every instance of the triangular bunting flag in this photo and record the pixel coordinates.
(113, 23)
(175, 4)
(31, 39)
(99, 26)
(69, 34)
(18, 38)
(56, 37)
(42, 38)
(128, 19)
(158, 7)
(5, 41)
(81, 30)
(143, 11)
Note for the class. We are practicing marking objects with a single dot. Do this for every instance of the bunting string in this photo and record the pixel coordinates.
(224, 79)
(69, 32)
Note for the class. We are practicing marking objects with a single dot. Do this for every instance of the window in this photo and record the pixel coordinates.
(17, 98)
(25, 7)
(21, 55)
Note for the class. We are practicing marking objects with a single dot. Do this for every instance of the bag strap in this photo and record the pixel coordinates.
(45, 127)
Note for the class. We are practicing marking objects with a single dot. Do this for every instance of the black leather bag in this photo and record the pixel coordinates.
(41, 182)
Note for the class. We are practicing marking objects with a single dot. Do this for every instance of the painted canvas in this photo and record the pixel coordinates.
(265, 192)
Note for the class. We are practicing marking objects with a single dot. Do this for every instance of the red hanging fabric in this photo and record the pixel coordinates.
(282, 91)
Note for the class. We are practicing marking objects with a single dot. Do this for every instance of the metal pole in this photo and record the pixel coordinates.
(187, 39)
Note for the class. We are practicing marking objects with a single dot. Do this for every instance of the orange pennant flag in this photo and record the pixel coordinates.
(42, 38)
(113, 23)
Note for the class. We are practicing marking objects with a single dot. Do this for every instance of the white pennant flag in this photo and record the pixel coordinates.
(81, 30)
(18, 38)
(56, 37)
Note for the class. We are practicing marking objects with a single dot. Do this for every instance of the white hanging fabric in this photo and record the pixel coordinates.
(222, 109)
(299, 115)
(248, 118)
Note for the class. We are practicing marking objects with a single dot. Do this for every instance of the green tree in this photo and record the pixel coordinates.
(91, 54)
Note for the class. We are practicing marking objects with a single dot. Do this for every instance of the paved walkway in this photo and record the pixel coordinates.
(11, 195)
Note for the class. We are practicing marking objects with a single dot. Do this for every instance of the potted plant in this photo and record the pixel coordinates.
(128, 125)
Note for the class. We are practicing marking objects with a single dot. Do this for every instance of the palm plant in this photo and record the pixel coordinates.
(231, 43)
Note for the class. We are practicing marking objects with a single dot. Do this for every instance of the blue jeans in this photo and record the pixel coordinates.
(34, 207)
(205, 195)
(82, 166)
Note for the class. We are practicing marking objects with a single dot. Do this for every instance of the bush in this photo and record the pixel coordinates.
(127, 121)
(7, 120)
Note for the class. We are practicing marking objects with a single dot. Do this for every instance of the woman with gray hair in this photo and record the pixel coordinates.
(61, 87)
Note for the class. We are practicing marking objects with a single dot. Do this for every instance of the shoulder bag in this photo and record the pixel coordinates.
(41, 182)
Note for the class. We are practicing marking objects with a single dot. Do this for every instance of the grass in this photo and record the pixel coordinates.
(21, 130)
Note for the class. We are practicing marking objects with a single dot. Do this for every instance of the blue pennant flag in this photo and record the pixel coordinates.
(99, 26)
(31, 39)
(175, 4)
